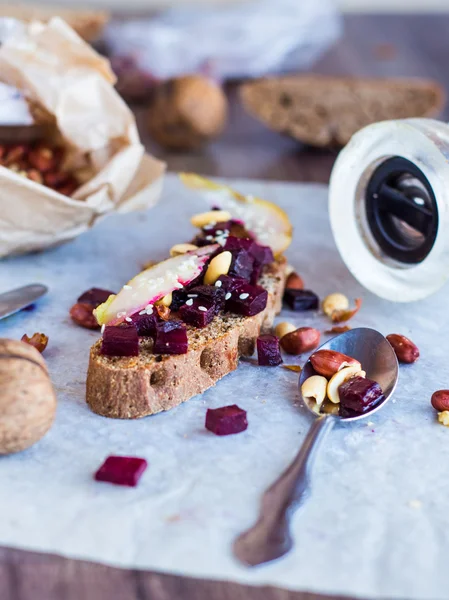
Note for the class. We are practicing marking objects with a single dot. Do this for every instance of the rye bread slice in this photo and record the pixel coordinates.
(327, 111)
(130, 388)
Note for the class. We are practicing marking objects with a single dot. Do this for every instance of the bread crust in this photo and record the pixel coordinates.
(131, 388)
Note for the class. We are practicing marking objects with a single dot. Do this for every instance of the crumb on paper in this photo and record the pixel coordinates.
(370, 424)
(415, 504)
(173, 518)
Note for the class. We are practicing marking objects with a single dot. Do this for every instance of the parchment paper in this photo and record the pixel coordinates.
(73, 87)
(377, 522)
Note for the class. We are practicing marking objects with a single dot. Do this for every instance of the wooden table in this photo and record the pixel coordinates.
(246, 150)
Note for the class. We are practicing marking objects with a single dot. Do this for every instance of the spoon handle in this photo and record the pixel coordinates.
(270, 537)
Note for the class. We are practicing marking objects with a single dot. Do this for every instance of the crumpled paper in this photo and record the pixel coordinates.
(73, 86)
(376, 524)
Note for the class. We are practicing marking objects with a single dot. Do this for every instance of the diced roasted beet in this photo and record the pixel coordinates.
(226, 420)
(247, 300)
(268, 351)
(301, 299)
(171, 338)
(263, 255)
(359, 395)
(121, 470)
(242, 264)
(215, 293)
(145, 324)
(179, 298)
(120, 341)
(229, 284)
(198, 312)
(95, 296)
(236, 243)
(255, 275)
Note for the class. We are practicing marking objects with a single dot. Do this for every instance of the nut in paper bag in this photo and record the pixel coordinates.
(69, 89)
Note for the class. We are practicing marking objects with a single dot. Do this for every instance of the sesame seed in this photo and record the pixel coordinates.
(143, 312)
(218, 283)
(209, 238)
(189, 302)
(228, 295)
(202, 308)
(244, 296)
(127, 287)
(219, 232)
(192, 295)
(128, 319)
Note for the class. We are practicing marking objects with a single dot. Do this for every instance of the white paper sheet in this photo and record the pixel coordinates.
(362, 531)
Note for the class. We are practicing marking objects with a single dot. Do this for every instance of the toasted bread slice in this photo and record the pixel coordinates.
(326, 111)
(129, 388)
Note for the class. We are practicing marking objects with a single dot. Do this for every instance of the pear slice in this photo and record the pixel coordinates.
(268, 223)
(151, 285)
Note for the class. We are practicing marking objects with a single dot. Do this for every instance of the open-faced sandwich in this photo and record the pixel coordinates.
(179, 326)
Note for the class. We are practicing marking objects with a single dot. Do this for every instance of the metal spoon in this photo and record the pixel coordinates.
(270, 537)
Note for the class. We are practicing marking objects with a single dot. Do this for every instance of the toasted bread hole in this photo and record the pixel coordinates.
(158, 378)
(209, 360)
(246, 346)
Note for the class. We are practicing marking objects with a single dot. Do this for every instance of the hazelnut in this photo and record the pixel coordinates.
(339, 378)
(334, 302)
(27, 397)
(406, 351)
(301, 340)
(328, 362)
(283, 328)
(440, 400)
(185, 112)
(294, 282)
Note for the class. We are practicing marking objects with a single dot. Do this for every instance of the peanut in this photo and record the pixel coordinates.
(283, 328)
(405, 350)
(294, 282)
(179, 249)
(328, 362)
(166, 300)
(443, 417)
(334, 302)
(440, 400)
(301, 340)
(213, 216)
(314, 388)
(218, 266)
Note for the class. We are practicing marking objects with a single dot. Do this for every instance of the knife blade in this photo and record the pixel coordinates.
(14, 300)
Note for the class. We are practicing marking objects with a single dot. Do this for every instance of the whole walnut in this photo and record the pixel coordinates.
(27, 397)
(185, 112)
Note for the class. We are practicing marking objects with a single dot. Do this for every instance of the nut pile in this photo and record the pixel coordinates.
(339, 386)
(40, 162)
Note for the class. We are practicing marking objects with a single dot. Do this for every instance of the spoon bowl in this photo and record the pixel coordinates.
(270, 538)
(374, 353)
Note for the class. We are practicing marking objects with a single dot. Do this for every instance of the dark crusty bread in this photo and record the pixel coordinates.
(88, 24)
(327, 111)
(129, 388)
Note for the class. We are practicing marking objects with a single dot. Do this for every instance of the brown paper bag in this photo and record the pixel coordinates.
(68, 80)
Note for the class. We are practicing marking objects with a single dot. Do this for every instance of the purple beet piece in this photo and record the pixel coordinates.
(268, 351)
(120, 341)
(95, 296)
(198, 312)
(179, 298)
(171, 338)
(242, 264)
(359, 395)
(229, 284)
(263, 255)
(145, 324)
(235, 243)
(255, 275)
(247, 300)
(301, 299)
(215, 293)
(121, 470)
(226, 420)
